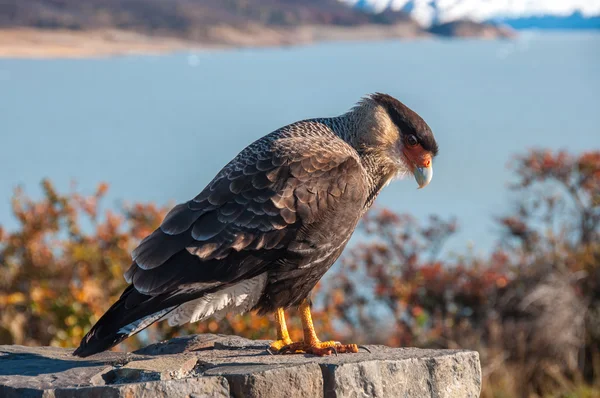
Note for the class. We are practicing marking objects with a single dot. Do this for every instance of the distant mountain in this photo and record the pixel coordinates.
(543, 14)
(184, 18)
(467, 28)
(220, 23)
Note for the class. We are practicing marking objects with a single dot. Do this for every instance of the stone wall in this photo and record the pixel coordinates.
(223, 366)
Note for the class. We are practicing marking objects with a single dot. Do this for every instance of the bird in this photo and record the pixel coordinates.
(269, 225)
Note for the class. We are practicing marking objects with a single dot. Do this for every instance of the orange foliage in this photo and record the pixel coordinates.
(396, 290)
(62, 267)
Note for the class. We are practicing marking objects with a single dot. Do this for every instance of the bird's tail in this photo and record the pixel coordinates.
(132, 313)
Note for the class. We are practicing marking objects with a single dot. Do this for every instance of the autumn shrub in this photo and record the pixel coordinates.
(531, 308)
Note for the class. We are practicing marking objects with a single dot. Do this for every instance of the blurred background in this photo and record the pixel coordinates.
(113, 111)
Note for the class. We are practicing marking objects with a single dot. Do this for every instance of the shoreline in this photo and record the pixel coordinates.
(28, 43)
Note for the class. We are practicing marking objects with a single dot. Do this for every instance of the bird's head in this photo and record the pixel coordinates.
(399, 138)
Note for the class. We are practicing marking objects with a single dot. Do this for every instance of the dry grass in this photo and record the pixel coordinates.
(36, 43)
(33, 43)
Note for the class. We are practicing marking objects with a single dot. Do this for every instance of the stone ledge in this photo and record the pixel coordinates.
(222, 366)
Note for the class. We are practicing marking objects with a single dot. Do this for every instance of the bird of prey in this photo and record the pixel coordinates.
(269, 225)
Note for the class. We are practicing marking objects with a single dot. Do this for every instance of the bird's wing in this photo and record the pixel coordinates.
(255, 206)
(243, 222)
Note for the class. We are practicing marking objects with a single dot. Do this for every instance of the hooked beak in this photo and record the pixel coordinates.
(423, 175)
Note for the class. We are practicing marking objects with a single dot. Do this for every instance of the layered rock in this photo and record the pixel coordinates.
(223, 366)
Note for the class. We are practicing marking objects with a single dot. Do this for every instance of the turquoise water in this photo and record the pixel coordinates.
(158, 128)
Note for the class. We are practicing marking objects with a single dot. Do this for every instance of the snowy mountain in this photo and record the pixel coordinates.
(517, 13)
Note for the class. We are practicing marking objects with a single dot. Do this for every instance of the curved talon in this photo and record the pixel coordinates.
(365, 348)
(311, 344)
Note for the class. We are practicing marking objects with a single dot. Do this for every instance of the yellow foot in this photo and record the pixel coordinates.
(319, 348)
(279, 344)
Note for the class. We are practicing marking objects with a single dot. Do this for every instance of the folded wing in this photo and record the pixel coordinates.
(238, 227)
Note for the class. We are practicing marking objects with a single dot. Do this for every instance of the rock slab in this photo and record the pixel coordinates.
(209, 365)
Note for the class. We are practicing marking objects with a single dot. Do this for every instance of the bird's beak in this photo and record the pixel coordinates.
(423, 175)
(421, 162)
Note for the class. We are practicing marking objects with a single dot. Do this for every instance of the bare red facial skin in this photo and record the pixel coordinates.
(417, 156)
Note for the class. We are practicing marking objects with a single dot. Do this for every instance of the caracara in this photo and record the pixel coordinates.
(269, 225)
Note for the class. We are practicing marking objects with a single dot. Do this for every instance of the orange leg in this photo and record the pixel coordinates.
(311, 343)
(283, 337)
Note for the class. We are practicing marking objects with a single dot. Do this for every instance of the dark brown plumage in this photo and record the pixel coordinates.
(271, 223)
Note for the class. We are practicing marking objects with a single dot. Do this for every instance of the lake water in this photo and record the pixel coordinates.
(158, 128)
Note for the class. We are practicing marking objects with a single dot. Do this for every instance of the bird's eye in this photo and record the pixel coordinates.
(412, 140)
